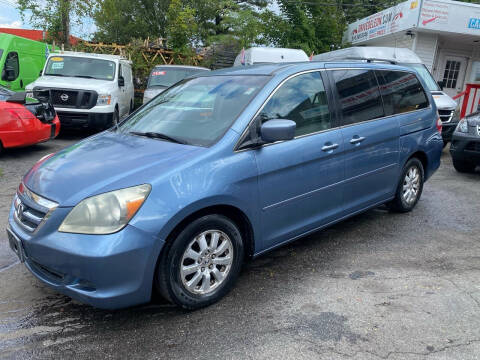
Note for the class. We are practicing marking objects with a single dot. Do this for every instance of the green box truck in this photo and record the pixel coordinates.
(21, 60)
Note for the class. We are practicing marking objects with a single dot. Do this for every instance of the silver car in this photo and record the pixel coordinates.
(164, 76)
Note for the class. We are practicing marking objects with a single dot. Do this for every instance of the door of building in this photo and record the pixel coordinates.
(453, 74)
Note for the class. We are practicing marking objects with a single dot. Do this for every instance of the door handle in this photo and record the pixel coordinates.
(357, 139)
(329, 147)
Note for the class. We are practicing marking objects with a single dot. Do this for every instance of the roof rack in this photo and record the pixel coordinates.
(371, 60)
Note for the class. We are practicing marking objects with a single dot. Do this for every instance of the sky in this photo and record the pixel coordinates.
(10, 17)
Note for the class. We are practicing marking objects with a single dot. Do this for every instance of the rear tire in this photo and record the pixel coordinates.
(463, 167)
(409, 188)
(201, 264)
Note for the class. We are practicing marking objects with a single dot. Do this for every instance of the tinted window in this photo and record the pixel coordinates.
(197, 111)
(401, 91)
(11, 68)
(301, 99)
(432, 85)
(359, 95)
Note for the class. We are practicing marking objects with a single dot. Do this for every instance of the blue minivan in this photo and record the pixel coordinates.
(221, 167)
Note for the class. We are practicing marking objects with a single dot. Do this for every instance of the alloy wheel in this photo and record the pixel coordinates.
(411, 185)
(206, 262)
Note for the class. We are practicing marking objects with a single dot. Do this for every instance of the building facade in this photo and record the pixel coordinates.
(444, 34)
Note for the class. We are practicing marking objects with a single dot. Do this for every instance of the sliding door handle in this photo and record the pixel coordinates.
(356, 140)
(329, 147)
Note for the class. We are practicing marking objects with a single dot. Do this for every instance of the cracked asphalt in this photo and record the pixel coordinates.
(377, 286)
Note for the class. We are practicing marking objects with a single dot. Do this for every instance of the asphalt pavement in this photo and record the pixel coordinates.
(377, 286)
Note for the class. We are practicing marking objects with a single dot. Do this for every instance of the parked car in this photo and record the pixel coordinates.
(25, 121)
(224, 165)
(445, 104)
(21, 60)
(266, 55)
(164, 76)
(87, 90)
(465, 146)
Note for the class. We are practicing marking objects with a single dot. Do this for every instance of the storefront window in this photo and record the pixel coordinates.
(475, 72)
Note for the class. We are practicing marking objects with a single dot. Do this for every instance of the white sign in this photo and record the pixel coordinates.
(451, 16)
(397, 18)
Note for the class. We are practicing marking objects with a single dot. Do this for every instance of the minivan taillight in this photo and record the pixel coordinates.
(439, 125)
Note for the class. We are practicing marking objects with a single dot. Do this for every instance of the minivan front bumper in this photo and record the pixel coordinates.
(106, 271)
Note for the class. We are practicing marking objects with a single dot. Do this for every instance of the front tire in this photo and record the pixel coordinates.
(201, 264)
(410, 187)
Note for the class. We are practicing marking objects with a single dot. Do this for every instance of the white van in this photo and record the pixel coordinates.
(87, 90)
(264, 55)
(445, 104)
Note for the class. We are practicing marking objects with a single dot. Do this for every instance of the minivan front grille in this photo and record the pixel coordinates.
(30, 210)
(446, 115)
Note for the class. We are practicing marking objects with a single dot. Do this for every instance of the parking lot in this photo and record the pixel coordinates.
(378, 286)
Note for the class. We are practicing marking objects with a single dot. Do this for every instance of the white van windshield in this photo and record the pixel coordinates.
(74, 66)
(421, 69)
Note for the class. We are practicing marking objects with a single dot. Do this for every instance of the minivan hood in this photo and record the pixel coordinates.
(65, 82)
(105, 162)
(443, 101)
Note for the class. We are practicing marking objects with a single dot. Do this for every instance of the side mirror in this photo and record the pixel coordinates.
(277, 130)
(8, 74)
(441, 84)
(121, 81)
(40, 73)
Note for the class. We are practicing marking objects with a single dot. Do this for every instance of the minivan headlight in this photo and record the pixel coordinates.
(104, 99)
(105, 213)
(462, 126)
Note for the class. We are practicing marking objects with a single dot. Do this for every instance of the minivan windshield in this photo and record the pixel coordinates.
(422, 70)
(196, 111)
(81, 67)
(166, 76)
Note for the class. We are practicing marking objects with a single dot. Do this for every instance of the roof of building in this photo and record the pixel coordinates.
(37, 35)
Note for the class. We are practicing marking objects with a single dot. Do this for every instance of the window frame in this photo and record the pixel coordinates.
(331, 109)
(18, 64)
(337, 100)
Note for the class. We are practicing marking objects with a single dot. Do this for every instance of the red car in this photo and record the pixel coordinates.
(25, 121)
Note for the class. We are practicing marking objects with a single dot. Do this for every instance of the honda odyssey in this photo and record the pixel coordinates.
(218, 168)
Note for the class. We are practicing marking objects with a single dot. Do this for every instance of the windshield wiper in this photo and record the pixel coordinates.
(85, 76)
(54, 75)
(156, 135)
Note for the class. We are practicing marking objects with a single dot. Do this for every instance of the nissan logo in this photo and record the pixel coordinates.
(64, 97)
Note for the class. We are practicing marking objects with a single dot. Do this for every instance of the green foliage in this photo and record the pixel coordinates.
(55, 16)
(123, 20)
(310, 26)
(181, 26)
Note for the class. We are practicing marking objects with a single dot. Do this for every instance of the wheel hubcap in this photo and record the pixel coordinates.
(206, 262)
(411, 185)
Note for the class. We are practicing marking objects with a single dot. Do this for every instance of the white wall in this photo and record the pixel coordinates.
(425, 46)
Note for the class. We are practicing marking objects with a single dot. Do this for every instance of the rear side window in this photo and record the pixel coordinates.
(301, 99)
(401, 92)
(359, 95)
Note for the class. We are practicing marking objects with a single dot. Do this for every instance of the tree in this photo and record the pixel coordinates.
(123, 20)
(181, 26)
(55, 16)
(313, 26)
